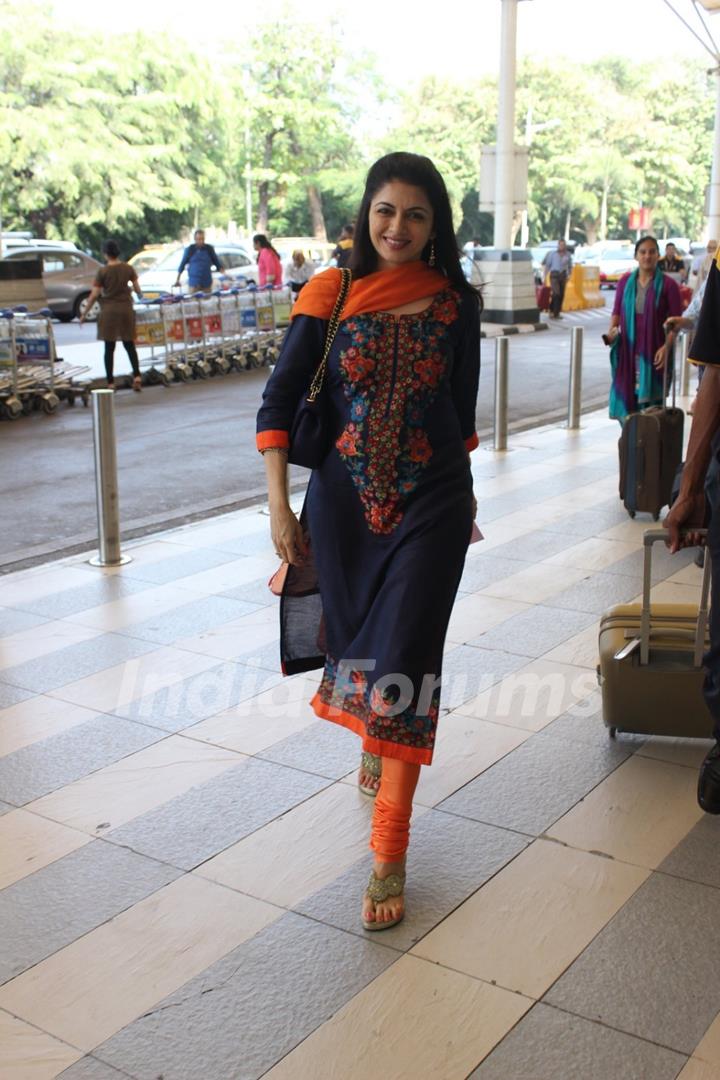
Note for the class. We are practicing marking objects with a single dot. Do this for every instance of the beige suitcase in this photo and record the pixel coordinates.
(650, 668)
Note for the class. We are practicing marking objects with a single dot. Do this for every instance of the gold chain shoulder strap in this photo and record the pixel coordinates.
(316, 384)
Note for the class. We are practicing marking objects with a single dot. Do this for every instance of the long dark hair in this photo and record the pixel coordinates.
(420, 172)
(262, 240)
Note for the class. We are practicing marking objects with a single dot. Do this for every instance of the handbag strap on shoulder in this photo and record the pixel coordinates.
(316, 384)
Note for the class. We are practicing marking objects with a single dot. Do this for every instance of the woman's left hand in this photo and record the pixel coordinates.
(659, 360)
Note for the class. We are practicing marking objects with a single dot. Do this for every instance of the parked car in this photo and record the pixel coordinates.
(238, 266)
(150, 256)
(68, 277)
(612, 263)
(13, 240)
(318, 251)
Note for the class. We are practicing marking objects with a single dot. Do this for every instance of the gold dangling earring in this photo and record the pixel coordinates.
(431, 260)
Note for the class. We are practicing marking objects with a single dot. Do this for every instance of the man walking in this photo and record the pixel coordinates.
(199, 259)
(559, 264)
(688, 511)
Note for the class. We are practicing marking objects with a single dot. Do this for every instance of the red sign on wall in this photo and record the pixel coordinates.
(640, 218)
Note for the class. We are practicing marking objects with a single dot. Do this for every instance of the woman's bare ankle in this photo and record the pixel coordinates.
(383, 869)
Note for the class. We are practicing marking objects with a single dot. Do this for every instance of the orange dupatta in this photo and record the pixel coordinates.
(382, 291)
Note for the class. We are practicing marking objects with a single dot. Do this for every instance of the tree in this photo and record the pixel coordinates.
(449, 123)
(300, 107)
(158, 141)
(91, 144)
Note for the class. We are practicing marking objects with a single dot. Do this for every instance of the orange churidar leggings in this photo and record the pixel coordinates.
(393, 806)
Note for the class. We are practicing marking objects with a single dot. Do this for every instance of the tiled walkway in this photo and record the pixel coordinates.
(183, 847)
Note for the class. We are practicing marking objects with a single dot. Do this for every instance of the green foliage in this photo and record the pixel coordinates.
(603, 139)
(140, 137)
(301, 93)
(92, 143)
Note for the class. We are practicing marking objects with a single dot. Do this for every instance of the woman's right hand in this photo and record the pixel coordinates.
(287, 535)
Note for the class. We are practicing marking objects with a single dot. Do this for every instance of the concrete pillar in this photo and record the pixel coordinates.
(505, 141)
(714, 200)
(508, 284)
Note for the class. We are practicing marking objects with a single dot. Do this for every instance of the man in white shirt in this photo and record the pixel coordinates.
(298, 272)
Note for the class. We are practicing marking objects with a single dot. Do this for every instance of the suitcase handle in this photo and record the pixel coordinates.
(627, 650)
(669, 360)
(665, 635)
(654, 536)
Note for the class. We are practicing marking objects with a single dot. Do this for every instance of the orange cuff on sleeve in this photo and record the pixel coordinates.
(472, 442)
(267, 439)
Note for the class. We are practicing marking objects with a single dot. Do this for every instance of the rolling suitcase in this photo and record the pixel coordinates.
(650, 669)
(543, 296)
(650, 450)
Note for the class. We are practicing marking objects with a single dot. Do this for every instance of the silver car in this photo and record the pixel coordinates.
(238, 265)
(68, 277)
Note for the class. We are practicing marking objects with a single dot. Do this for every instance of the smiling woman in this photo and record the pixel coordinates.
(400, 224)
(376, 557)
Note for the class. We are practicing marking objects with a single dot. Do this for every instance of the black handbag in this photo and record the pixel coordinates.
(310, 432)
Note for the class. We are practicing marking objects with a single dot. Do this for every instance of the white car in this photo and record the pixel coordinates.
(238, 266)
(612, 262)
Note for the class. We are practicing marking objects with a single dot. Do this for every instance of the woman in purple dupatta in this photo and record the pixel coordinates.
(644, 299)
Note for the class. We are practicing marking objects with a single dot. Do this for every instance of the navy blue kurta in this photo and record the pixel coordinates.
(388, 513)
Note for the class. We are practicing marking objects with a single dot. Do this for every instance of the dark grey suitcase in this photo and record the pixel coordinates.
(650, 451)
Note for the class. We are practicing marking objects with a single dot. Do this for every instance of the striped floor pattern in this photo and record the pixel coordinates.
(183, 847)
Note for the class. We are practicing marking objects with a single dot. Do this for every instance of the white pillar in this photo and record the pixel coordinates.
(505, 142)
(714, 201)
(248, 185)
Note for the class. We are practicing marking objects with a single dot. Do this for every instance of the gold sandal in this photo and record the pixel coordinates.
(370, 763)
(381, 889)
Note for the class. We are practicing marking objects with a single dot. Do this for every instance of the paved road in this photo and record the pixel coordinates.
(189, 450)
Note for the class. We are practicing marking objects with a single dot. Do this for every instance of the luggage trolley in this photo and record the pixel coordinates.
(174, 338)
(35, 360)
(194, 336)
(282, 301)
(150, 333)
(214, 346)
(11, 405)
(258, 321)
(231, 324)
(265, 322)
(249, 342)
(29, 378)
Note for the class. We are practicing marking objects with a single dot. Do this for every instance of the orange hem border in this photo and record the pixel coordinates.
(267, 439)
(472, 443)
(383, 748)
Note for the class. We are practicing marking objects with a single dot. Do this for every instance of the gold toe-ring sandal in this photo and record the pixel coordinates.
(370, 763)
(379, 890)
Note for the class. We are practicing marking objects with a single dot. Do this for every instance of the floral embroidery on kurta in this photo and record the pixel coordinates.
(391, 372)
(345, 692)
